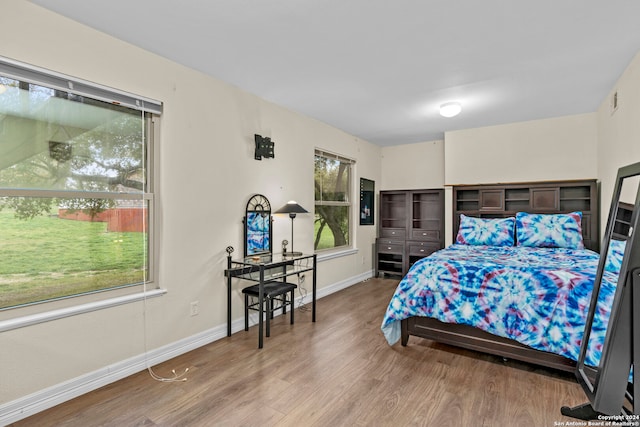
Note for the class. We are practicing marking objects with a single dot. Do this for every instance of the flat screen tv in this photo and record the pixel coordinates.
(604, 368)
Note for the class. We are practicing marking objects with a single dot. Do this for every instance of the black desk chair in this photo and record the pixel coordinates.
(274, 292)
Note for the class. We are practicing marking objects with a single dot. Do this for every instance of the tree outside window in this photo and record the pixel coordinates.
(332, 201)
(74, 194)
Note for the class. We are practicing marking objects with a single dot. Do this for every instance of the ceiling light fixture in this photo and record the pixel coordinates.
(450, 109)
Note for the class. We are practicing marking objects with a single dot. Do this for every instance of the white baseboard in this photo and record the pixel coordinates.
(47, 398)
(59, 393)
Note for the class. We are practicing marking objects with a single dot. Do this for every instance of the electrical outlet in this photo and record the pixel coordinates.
(195, 308)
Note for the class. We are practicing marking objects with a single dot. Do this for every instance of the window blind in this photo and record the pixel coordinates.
(334, 156)
(32, 74)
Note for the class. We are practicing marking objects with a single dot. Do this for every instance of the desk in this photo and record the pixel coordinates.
(265, 267)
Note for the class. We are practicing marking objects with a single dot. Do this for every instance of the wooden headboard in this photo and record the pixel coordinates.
(547, 197)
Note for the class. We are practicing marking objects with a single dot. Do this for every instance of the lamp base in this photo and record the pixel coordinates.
(292, 254)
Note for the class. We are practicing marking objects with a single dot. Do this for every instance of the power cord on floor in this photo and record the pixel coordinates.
(176, 377)
(302, 306)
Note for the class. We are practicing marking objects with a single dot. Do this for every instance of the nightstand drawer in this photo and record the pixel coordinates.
(382, 241)
(421, 234)
(395, 233)
(422, 249)
(390, 248)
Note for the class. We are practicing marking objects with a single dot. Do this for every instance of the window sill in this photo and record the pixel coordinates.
(47, 316)
(325, 256)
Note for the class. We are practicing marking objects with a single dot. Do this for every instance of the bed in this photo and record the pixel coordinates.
(517, 287)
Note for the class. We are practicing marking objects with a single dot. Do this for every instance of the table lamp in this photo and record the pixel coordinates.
(292, 208)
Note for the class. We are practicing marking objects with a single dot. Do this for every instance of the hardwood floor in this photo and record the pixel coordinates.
(337, 372)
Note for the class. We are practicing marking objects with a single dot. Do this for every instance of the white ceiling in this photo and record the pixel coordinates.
(379, 69)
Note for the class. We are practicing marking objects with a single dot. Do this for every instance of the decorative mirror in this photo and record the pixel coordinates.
(257, 226)
(611, 340)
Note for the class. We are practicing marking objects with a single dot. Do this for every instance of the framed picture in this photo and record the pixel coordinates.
(258, 233)
(367, 201)
(257, 226)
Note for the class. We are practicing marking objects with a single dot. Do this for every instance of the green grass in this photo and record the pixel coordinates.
(47, 258)
(326, 239)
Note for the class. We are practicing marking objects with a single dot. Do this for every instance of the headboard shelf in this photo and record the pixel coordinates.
(504, 200)
(622, 221)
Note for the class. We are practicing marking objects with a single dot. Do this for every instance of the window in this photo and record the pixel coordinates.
(75, 186)
(332, 201)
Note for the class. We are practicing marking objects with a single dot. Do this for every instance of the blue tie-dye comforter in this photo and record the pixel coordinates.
(537, 296)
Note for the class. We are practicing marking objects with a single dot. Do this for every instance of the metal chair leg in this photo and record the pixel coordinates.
(269, 315)
(246, 312)
(292, 304)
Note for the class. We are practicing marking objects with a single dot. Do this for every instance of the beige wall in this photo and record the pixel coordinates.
(618, 133)
(550, 149)
(413, 166)
(206, 175)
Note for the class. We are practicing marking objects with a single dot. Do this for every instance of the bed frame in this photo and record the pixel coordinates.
(475, 339)
(499, 201)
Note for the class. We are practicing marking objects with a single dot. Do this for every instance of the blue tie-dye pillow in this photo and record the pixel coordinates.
(485, 231)
(549, 230)
(615, 253)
